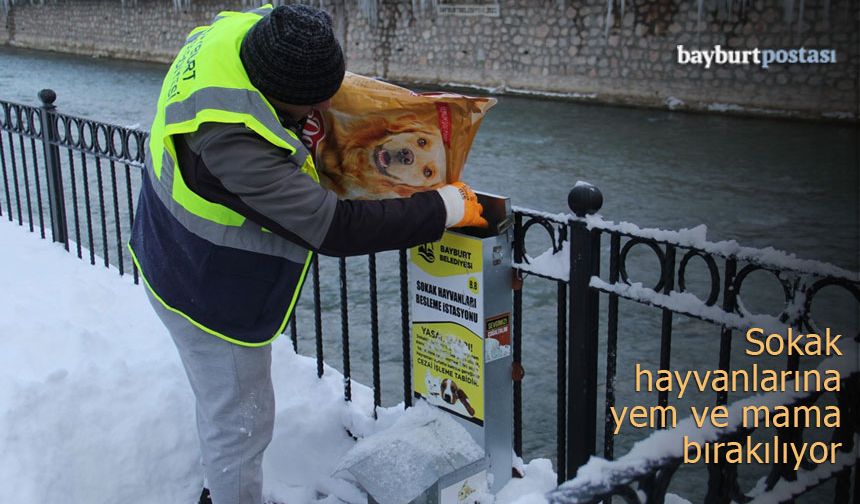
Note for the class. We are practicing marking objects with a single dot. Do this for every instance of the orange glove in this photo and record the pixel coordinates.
(462, 207)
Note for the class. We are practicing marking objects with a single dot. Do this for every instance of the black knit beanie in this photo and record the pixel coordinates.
(292, 55)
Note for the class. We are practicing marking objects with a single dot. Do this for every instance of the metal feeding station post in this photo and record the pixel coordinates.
(461, 304)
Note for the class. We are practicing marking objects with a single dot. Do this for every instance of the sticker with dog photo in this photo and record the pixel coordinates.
(379, 140)
(448, 368)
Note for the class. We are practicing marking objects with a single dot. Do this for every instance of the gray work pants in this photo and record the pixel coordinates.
(235, 407)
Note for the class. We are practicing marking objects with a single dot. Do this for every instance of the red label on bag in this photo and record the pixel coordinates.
(444, 115)
(313, 132)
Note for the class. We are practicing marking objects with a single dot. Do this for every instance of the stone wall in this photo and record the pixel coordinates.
(142, 30)
(548, 46)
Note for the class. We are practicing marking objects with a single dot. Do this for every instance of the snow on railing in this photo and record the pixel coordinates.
(693, 238)
(689, 304)
(697, 238)
(665, 448)
(785, 491)
(583, 489)
(550, 264)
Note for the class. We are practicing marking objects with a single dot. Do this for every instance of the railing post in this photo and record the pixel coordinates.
(584, 199)
(56, 198)
(519, 239)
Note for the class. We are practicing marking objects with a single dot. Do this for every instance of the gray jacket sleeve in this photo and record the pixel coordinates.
(233, 166)
(265, 179)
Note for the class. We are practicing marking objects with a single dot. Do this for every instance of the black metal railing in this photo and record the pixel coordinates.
(573, 262)
(78, 178)
(82, 174)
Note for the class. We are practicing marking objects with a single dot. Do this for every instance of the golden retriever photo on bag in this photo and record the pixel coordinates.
(379, 140)
(382, 157)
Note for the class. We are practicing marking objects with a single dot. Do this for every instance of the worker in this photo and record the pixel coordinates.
(231, 213)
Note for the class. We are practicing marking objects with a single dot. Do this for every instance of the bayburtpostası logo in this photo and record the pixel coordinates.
(759, 57)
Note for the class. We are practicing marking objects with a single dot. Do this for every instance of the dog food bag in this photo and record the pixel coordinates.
(379, 140)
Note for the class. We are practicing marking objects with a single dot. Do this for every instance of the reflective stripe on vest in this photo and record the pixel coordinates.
(216, 333)
(244, 235)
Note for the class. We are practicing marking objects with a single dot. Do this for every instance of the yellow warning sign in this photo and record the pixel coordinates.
(447, 363)
(454, 254)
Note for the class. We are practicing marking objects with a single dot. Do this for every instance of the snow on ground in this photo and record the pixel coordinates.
(95, 407)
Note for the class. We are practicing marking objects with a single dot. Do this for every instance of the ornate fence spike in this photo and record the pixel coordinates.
(584, 199)
(49, 137)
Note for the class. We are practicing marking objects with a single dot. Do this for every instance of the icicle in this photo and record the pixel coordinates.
(699, 11)
(800, 16)
(370, 10)
(623, 2)
(422, 6)
(788, 8)
(609, 4)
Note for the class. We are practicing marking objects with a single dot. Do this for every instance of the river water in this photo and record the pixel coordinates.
(763, 182)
